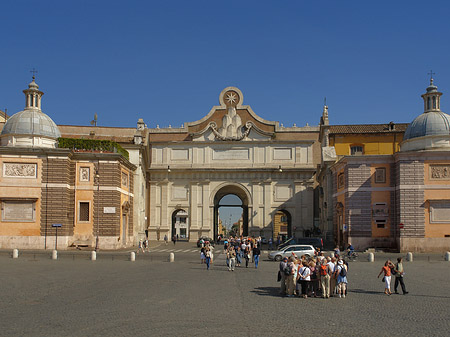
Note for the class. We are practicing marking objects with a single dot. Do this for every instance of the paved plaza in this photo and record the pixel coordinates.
(113, 296)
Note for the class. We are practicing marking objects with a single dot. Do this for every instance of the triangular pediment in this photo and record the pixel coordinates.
(232, 121)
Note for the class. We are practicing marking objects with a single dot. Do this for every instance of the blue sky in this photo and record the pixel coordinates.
(167, 61)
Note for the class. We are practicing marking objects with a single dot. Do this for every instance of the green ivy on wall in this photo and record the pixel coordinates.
(92, 145)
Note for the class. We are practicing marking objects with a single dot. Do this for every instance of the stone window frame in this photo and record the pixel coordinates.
(11, 200)
(380, 178)
(433, 204)
(79, 211)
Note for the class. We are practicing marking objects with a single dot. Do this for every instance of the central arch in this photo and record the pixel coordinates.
(239, 191)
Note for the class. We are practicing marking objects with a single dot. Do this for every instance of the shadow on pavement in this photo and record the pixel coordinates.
(267, 291)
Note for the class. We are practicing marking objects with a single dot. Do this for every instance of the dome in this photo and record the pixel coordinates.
(433, 123)
(31, 122)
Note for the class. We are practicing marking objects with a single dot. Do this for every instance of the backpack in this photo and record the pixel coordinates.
(323, 270)
(343, 272)
(287, 270)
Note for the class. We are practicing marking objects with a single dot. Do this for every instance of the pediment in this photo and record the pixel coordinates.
(231, 121)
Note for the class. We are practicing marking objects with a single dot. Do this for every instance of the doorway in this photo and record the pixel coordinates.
(282, 229)
(180, 225)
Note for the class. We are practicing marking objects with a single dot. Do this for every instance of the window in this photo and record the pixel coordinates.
(124, 179)
(283, 218)
(380, 223)
(380, 175)
(83, 214)
(18, 210)
(356, 150)
(182, 220)
(341, 181)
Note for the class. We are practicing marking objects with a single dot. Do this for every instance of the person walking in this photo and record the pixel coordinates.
(238, 255)
(270, 243)
(174, 239)
(165, 240)
(231, 257)
(399, 272)
(247, 255)
(207, 257)
(386, 269)
(256, 254)
(332, 265)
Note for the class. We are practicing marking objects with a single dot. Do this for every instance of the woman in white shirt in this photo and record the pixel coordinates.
(304, 278)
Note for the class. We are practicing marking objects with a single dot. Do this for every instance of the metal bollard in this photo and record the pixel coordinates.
(447, 256)
(54, 254)
(93, 255)
(409, 257)
(171, 257)
(15, 253)
(371, 257)
(132, 256)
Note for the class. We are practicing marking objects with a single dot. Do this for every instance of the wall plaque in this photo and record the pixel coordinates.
(84, 174)
(232, 154)
(440, 172)
(21, 170)
(109, 210)
(18, 210)
(440, 212)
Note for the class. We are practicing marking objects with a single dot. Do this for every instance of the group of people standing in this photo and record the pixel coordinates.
(317, 276)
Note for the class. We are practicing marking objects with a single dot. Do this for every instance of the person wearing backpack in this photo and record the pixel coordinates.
(341, 273)
(325, 272)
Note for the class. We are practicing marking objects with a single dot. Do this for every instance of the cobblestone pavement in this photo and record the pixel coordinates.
(112, 296)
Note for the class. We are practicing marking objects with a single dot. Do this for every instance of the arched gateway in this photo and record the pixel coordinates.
(231, 151)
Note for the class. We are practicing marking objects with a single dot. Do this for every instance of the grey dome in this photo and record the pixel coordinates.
(31, 122)
(433, 123)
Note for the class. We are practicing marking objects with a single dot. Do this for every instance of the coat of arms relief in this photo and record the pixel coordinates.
(232, 128)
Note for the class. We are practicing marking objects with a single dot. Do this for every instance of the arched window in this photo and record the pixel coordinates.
(434, 102)
(428, 103)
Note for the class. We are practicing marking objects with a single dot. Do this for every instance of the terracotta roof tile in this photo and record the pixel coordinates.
(367, 128)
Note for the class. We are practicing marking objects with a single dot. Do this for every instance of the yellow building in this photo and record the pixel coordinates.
(388, 186)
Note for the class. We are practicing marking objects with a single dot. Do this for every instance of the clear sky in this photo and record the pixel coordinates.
(167, 61)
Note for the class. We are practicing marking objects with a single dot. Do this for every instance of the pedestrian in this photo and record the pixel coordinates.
(270, 243)
(207, 257)
(256, 254)
(332, 265)
(341, 277)
(165, 240)
(291, 278)
(304, 278)
(238, 255)
(231, 257)
(325, 272)
(140, 246)
(315, 281)
(146, 245)
(399, 273)
(202, 255)
(386, 269)
(174, 239)
(283, 270)
(247, 255)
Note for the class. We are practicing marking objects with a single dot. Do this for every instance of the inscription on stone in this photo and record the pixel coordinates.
(19, 170)
(18, 211)
(233, 154)
(440, 172)
(440, 212)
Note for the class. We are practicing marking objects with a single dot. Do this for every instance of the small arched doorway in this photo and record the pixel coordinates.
(180, 225)
(227, 197)
(282, 225)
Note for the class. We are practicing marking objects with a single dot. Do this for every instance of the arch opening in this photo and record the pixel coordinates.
(282, 229)
(180, 224)
(230, 212)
